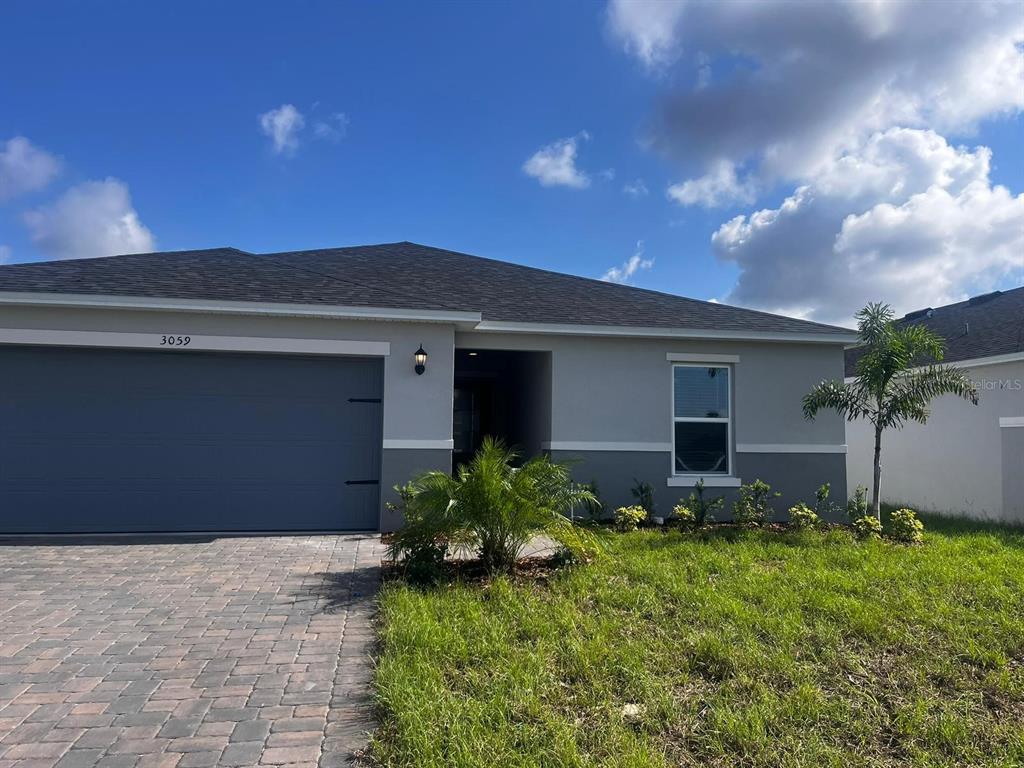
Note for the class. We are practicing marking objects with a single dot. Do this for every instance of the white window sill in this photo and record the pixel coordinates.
(710, 481)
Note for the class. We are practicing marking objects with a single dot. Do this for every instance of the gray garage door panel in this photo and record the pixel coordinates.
(142, 441)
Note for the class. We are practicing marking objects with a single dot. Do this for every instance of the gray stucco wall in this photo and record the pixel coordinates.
(619, 389)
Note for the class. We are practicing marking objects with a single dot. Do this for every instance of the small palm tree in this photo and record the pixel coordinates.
(494, 507)
(896, 379)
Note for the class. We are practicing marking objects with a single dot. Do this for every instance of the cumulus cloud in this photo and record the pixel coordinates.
(905, 217)
(95, 218)
(554, 165)
(334, 127)
(632, 265)
(24, 167)
(282, 126)
(787, 87)
(5, 254)
(635, 188)
(848, 102)
(717, 187)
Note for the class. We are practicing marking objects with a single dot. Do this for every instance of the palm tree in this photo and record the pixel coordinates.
(495, 508)
(896, 379)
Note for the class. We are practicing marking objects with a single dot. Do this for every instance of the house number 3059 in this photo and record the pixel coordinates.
(175, 341)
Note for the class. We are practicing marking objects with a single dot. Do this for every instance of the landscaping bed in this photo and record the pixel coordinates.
(724, 647)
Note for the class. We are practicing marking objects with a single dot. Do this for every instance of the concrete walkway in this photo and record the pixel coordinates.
(186, 653)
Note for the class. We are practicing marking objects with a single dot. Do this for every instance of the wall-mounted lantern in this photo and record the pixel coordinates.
(421, 360)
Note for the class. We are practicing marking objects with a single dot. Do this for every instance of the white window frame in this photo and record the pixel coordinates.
(730, 453)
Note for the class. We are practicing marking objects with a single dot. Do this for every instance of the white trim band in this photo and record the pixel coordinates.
(569, 445)
(570, 329)
(789, 448)
(710, 481)
(90, 301)
(174, 342)
(1011, 421)
(687, 357)
(445, 445)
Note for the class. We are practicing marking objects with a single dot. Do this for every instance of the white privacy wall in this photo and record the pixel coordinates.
(954, 463)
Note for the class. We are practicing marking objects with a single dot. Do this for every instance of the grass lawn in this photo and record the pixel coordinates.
(737, 648)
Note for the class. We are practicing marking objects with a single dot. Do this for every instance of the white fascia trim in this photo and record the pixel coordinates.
(204, 306)
(977, 362)
(789, 448)
(1011, 421)
(687, 357)
(569, 329)
(710, 481)
(570, 445)
(196, 342)
(446, 445)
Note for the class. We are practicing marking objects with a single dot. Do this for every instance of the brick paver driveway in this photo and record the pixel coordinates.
(186, 652)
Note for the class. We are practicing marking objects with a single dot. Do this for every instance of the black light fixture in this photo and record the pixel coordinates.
(421, 360)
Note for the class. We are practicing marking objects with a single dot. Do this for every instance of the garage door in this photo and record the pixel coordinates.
(95, 440)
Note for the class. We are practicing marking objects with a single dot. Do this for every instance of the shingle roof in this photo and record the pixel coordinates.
(396, 275)
(984, 326)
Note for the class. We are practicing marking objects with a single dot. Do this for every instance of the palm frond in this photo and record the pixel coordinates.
(911, 394)
(848, 399)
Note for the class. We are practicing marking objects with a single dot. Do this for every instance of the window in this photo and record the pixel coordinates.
(701, 423)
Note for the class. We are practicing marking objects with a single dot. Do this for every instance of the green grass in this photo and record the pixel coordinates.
(741, 648)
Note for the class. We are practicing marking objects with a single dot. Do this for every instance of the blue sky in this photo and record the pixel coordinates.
(443, 105)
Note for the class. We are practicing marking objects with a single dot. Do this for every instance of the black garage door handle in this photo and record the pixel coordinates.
(364, 400)
(362, 482)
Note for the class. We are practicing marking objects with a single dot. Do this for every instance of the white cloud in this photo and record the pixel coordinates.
(720, 186)
(24, 167)
(905, 218)
(5, 254)
(630, 267)
(799, 84)
(554, 165)
(334, 127)
(95, 218)
(283, 126)
(635, 188)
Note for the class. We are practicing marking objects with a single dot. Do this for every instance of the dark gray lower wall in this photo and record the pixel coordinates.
(399, 465)
(795, 475)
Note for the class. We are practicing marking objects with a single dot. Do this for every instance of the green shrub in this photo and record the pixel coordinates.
(867, 527)
(857, 507)
(753, 506)
(823, 507)
(801, 516)
(422, 559)
(701, 510)
(494, 508)
(684, 514)
(628, 518)
(904, 526)
(643, 492)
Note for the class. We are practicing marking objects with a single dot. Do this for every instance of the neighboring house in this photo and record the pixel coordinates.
(967, 459)
(219, 390)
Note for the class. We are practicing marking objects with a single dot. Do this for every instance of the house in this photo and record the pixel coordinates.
(219, 390)
(967, 459)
